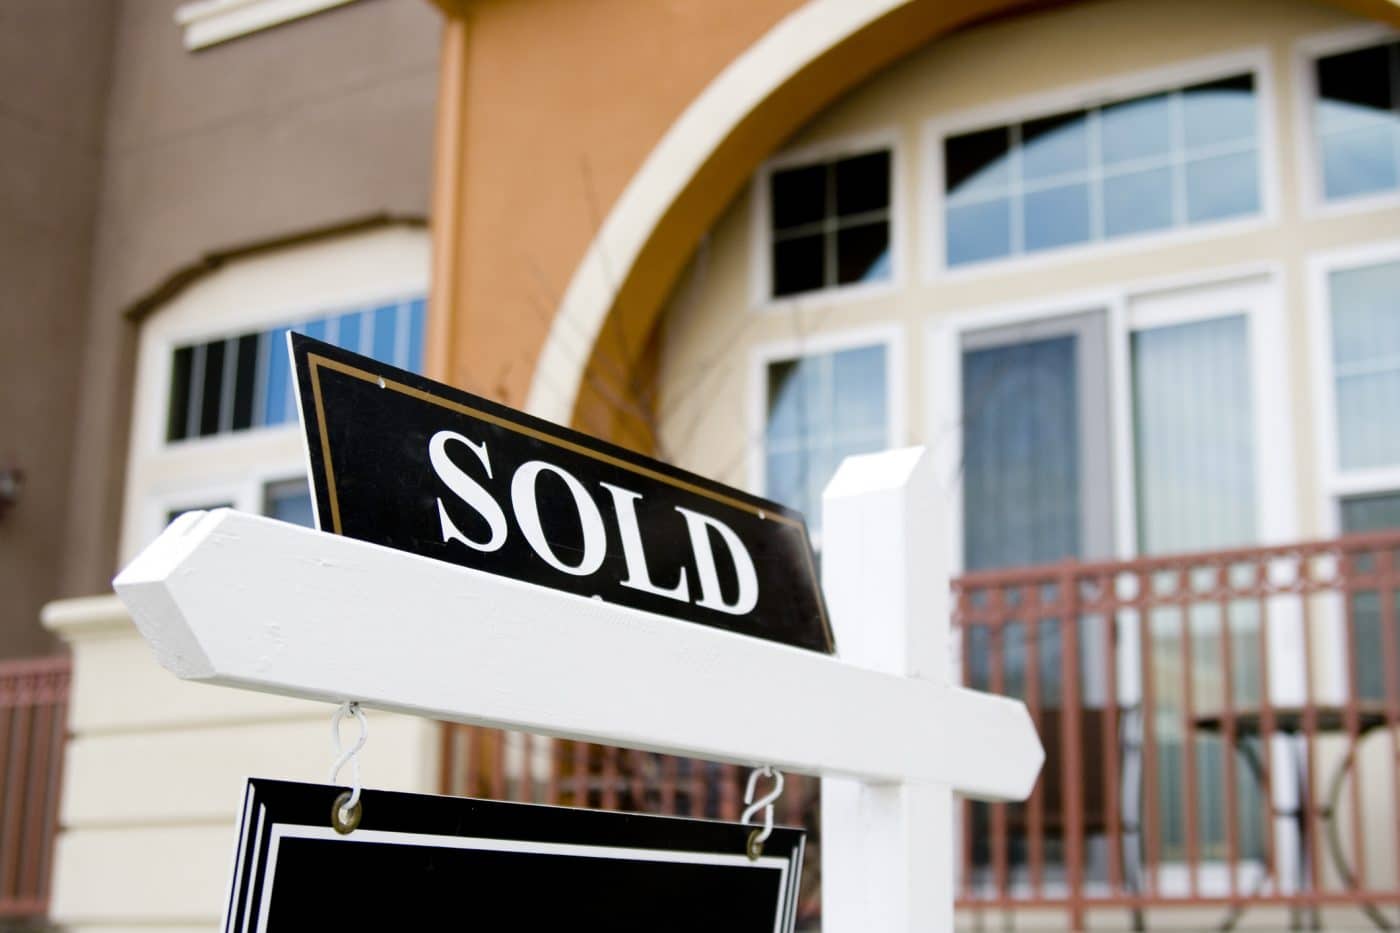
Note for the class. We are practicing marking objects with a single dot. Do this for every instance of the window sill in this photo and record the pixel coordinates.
(210, 22)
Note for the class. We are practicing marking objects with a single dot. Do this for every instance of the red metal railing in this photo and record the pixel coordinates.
(33, 724)
(1221, 731)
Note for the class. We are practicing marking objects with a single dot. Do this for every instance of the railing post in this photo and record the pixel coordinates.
(887, 849)
(1072, 752)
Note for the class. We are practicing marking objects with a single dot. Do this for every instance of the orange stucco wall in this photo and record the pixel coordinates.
(562, 101)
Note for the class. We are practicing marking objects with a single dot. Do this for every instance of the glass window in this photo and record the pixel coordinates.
(289, 501)
(821, 409)
(1356, 119)
(1374, 512)
(1360, 514)
(1193, 436)
(173, 514)
(1365, 317)
(1184, 157)
(1021, 470)
(245, 382)
(830, 224)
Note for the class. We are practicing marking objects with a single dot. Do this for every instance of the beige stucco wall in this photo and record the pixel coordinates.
(153, 775)
(712, 327)
(308, 125)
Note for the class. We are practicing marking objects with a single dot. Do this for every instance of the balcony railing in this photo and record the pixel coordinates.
(1221, 731)
(33, 724)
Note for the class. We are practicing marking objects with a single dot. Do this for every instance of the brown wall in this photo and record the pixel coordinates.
(54, 58)
(304, 126)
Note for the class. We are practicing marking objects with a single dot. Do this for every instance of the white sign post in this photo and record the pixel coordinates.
(887, 847)
(244, 601)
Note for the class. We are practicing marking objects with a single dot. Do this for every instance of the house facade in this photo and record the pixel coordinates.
(1127, 267)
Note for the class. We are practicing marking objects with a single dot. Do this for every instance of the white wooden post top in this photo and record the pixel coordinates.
(241, 600)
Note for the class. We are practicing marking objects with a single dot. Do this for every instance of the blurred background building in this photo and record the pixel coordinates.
(1130, 268)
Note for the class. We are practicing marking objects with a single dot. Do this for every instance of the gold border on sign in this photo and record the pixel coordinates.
(315, 361)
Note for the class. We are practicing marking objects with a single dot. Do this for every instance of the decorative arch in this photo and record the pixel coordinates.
(586, 372)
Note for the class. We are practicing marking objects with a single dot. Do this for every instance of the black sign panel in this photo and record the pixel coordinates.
(418, 862)
(405, 462)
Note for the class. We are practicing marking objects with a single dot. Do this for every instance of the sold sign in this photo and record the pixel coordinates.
(402, 461)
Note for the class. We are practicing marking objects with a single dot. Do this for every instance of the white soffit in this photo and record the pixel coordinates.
(209, 22)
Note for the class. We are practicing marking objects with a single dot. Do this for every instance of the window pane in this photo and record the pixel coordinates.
(289, 501)
(1135, 129)
(1057, 217)
(385, 329)
(277, 403)
(1366, 360)
(977, 162)
(1057, 145)
(863, 253)
(1371, 513)
(863, 184)
(1137, 202)
(794, 409)
(786, 481)
(173, 514)
(858, 391)
(316, 329)
(244, 379)
(799, 264)
(1218, 112)
(1222, 187)
(180, 372)
(798, 196)
(212, 388)
(416, 323)
(821, 408)
(1020, 453)
(1194, 436)
(1354, 89)
(350, 332)
(1361, 160)
(978, 231)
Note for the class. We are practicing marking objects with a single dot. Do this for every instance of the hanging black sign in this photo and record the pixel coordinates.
(418, 862)
(412, 464)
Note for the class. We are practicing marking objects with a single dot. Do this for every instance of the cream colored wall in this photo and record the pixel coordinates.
(154, 771)
(708, 392)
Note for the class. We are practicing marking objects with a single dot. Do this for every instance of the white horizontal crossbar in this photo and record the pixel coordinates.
(244, 601)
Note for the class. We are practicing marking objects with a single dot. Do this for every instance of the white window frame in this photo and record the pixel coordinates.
(1306, 51)
(890, 336)
(263, 291)
(1255, 59)
(209, 22)
(357, 300)
(761, 230)
(1334, 482)
(1275, 490)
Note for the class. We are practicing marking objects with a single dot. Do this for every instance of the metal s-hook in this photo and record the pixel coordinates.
(758, 837)
(346, 811)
